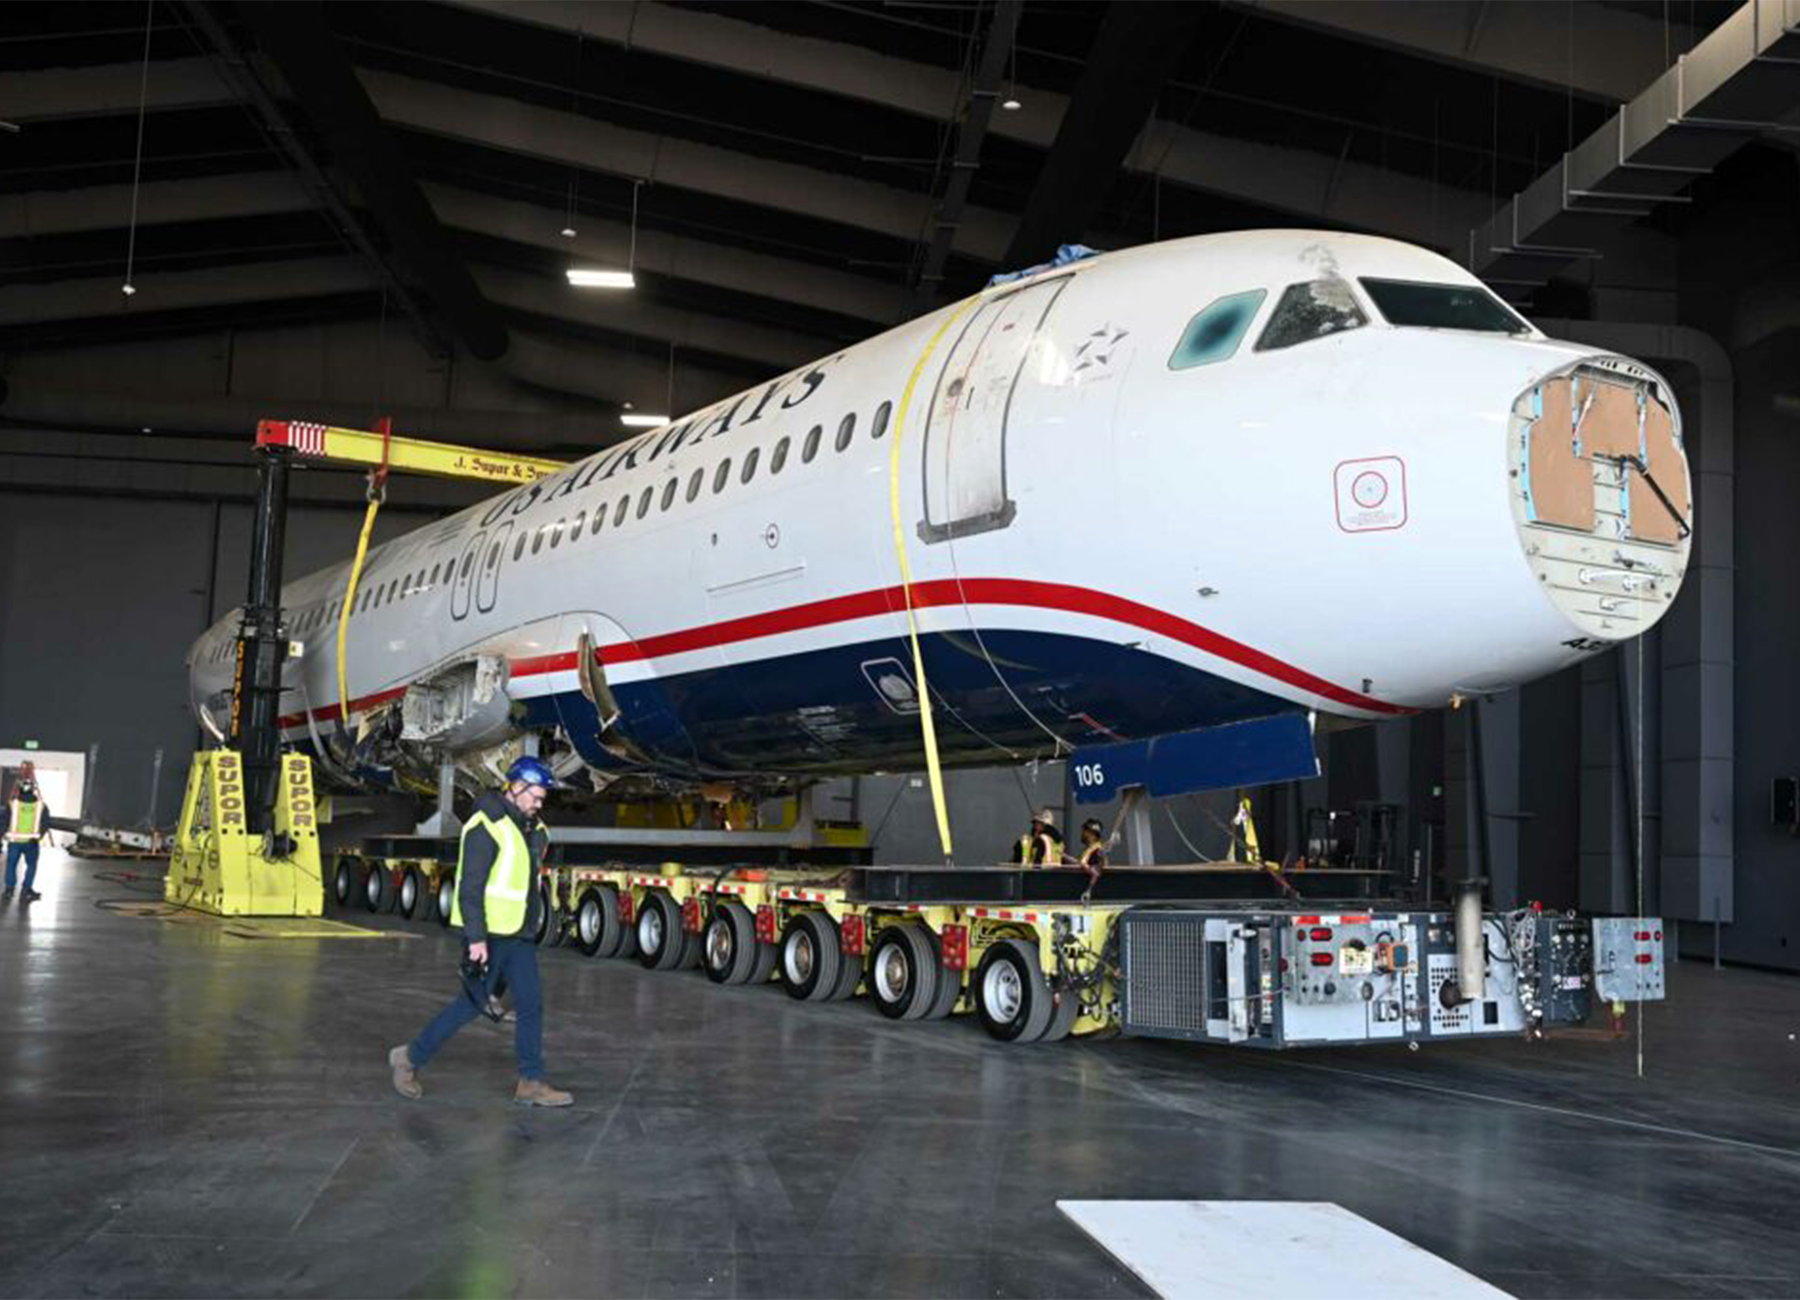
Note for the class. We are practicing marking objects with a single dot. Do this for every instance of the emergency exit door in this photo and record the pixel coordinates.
(966, 429)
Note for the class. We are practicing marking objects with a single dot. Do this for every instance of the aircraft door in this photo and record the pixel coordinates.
(462, 586)
(487, 585)
(965, 430)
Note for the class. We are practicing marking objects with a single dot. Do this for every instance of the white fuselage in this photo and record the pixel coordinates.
(1099, 542)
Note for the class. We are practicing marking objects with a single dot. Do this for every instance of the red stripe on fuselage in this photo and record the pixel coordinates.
(926, 595)
(973, 591)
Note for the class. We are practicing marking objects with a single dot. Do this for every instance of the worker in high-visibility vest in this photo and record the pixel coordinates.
(496, 906)
(1041, 845)
(27, 823)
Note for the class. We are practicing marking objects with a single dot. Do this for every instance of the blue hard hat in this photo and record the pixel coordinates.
(531, 771)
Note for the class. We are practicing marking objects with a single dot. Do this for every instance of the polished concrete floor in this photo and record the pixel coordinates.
(186, 1113)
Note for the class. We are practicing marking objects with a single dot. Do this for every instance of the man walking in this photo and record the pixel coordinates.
(28, 821)
(496, 905)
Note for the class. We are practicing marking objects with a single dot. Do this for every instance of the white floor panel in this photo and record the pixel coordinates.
(1256, 1250)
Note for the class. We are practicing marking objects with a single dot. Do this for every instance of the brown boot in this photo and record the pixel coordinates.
(535, 1092)
(406, 1083)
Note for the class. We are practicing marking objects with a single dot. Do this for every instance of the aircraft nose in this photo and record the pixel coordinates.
(1602, 497)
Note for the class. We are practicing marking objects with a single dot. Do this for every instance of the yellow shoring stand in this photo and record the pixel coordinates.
(216, 865)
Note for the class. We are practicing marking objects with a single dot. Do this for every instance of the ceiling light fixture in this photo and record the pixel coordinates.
(1011, 103)
(593, 278)
(638, 420)
(128, 288)
(587, 277)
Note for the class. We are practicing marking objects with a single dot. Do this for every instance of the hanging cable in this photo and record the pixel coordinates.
(137, 164)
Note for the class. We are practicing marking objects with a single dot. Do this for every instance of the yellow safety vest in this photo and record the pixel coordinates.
(24, 824)
(508, 894)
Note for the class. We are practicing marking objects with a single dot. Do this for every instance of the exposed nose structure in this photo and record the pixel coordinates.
(1602, 496)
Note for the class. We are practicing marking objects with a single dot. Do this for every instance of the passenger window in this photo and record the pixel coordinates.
(778, 457)
(537, 540)
(750, 459)
(519, 549)
(1214, 335)
(1311, 311)
(434, 573)
(695, 481)
(846, 430)
(881, 418)
(620, 510)
(644, 500)
(469, 563)
(599, 519)
(669, 493)
(575, 528)
(721, 476)
(810, 447)
(556, 534)
(419, 582)
(392, 587)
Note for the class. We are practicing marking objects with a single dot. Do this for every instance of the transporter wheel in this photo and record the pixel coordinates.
(343, 881)
(446, 897)
(767, 955)
(809, 957)
(1064, 1014)
(628, 934)
(1011, 995)
(849, 977)
(730, 944)
(597, 922)
(949, 986)
(661, 944)
(378, 888)
(903, 973)
(546, 908)
(412, 889)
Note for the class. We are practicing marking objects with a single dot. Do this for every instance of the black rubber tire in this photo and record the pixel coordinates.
(1011, 995)
(809, 957)
(849, 977)
(412, 893)
(728, 945)
(596, 920)
(903, 972)
(628, 939)
(444, 897)
(661, 944)
(1063, 1017)
(546, 935)
(378, 889)
(949, 986)
(767, 955)
(345, 881)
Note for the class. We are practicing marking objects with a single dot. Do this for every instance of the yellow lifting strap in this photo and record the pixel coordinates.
(926, 726)
(377, 493)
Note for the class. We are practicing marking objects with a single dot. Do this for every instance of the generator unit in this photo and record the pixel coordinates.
(1272, 978)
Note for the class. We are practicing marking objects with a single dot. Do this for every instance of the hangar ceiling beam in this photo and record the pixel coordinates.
(108, 207)
(1296, 181)
(1133, 56)
(635, 315)
(972, 121)
(1737, 83)
(572, 140)
(251, 84)
(295, 37)
(261, 194)
(110, 90)
(678, 257)
(1606, 54)
(98, 296)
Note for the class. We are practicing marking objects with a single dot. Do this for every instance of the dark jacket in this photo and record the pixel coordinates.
(479, 853)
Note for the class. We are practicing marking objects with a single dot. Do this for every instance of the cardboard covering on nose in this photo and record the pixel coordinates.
(1651, 520)
(1609, 420)
(1562, 485)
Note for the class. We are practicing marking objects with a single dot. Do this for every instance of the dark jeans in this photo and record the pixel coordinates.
(514, 962)
(27, 849)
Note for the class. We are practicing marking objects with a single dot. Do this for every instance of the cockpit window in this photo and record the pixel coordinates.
(1443, 306)
(1311, 311)
(1215, 333)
